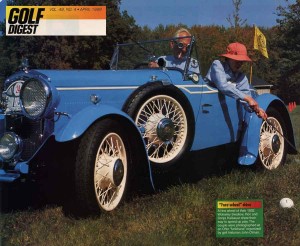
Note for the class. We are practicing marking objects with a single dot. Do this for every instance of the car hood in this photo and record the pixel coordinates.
(65, 78)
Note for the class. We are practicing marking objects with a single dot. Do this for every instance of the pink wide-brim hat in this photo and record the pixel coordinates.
(237, 51)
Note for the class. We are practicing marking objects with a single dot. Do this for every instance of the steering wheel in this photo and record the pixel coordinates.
(141, 65)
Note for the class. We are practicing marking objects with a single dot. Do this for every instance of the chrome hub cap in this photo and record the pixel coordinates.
(118, 172)
(165, 129)
(275, 144)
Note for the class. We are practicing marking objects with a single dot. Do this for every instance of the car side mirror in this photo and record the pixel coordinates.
(194, 77)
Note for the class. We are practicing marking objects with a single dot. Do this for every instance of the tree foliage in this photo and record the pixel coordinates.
(61, 52)
(68, 52)
(288, 43)
(235, 20)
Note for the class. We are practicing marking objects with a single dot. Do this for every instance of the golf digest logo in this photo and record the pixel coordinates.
(55, 20)
(24, 20)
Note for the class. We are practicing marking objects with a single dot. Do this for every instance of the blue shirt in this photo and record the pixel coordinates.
(232, 84)
(172, 61)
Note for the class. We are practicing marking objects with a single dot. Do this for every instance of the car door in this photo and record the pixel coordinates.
(219, 119)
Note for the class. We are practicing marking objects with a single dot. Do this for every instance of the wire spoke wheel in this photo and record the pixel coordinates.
(163, 123)
(166, 122)
(103, 167)
(110, 171)
(272, 145)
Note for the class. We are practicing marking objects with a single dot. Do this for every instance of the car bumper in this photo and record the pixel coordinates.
(12, 175)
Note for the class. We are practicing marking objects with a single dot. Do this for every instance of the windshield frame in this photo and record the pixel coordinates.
(115, 57)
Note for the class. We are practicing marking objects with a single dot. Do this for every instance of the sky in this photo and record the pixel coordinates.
(195, 12)
(201, 12)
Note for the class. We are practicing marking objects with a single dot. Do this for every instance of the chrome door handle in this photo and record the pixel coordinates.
(204, 106)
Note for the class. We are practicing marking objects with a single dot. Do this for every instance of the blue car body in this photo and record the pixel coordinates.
(79, 98)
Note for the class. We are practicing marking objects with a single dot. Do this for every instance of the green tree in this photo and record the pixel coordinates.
(288, 41)
(61, 52)
(235, 21)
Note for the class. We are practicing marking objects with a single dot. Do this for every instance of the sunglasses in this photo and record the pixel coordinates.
(181, 45)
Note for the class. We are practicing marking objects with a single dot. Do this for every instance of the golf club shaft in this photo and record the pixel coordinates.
(271, 124)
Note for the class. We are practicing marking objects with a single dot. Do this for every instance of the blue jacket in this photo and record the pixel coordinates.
(172, 61)
(235, 85)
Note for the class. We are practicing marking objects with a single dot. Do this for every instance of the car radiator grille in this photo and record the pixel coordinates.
(30, 132)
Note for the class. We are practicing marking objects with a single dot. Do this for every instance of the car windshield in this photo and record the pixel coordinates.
(137, 55)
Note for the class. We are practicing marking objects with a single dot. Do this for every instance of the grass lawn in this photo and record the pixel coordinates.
(181, 213)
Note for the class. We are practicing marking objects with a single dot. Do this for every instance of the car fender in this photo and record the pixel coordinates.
(77, 124)
(81, 121)
(251, 135)
(2, 123)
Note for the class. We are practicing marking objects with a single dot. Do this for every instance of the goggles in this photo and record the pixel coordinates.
(181, 45)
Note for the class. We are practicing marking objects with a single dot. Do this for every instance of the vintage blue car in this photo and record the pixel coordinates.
(118, 125)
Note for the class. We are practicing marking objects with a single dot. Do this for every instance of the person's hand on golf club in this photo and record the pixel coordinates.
(254, 105)
(261, 113)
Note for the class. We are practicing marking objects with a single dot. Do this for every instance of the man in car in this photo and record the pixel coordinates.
(180, 47)
(228, 78)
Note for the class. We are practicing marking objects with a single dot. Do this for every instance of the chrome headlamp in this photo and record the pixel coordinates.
(10, 146)
(34, 97)
(38, 98)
